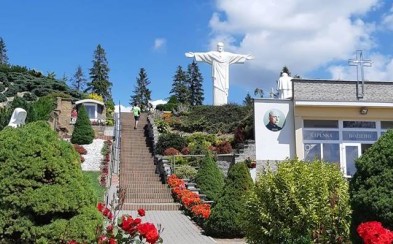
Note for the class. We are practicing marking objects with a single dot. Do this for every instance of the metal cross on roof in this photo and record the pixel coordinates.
(359, 62)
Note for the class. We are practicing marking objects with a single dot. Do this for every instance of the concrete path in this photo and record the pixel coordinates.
(176, 227)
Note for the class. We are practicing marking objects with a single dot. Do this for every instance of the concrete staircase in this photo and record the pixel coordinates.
(137, 170)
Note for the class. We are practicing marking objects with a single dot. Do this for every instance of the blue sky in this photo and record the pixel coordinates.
(313, 38)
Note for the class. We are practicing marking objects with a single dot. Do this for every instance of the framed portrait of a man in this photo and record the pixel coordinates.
(274, 120)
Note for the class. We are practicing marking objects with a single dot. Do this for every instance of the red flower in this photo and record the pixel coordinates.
(137, 221)
(141, 212)
(372, 232)
(100, 206)
(145, 228)
(109, 228)
(152, 236)
(112, 241)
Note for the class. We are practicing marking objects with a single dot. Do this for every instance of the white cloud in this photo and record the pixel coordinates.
(303, 35)
(122, 108)
(159, 43)
(387, 19)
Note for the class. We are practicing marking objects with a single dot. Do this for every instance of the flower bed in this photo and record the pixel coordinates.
(191, 201)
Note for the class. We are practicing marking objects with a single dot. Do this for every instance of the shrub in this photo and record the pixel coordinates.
(2, 87)
(29, 96)
(44, 195)
(186, 172)
(185, 151)
(43, 107)
(83, 132)
(3, 98)
(300, 202)
(226, 218)
(224, 147)
(171, 151)
(11, 91)
(209, 178)
(170, 140)
(80, 149)
(95, 96)
(371, 186)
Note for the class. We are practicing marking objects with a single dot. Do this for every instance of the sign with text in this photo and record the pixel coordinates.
(319, 135)
(360, 135)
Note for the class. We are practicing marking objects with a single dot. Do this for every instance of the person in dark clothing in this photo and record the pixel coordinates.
(273, 120)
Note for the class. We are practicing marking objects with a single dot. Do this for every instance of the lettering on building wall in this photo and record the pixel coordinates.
(320, 135)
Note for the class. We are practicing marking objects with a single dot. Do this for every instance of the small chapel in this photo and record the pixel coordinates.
(332, 120)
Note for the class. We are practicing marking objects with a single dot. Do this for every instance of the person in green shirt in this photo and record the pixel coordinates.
(137, 112)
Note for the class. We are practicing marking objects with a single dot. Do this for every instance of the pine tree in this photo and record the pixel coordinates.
(179, 86)
(285, 70)
(83, 132)
(195, 79)
(79, 80)
(141, 93)
(248, 100)
(100, 83)
(3, 52)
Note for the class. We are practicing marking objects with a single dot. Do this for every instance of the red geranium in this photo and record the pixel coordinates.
(372, 232)
(141, 212)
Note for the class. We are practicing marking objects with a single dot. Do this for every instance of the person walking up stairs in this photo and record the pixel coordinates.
(142, 186)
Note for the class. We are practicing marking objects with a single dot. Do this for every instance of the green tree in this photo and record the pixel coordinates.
(226, 218)
(258, 92)
(299, 202)
(209, 178)
(180, 87)
(79, 80)
(44, 197)
(248, 100)
(100, 83)
(195, 80)
(285, 70)
(372, 184)
(141, 93)
(3, 52)
(83, 132)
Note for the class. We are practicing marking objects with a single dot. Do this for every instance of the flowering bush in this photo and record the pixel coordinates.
(201, 210)
(129, 230)
(80, 149)
(171, 151)
(372, 232)
(191, 201)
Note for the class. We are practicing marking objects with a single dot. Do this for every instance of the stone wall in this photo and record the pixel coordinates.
(341, 91)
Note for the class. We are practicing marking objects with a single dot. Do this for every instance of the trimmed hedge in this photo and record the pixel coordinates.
(226, 218)
(300, 202)
(372, 184)
(83, 132)
(209, 178)
(170, 140)
(44, 197)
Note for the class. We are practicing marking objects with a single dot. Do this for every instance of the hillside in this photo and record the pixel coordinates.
(29, 84)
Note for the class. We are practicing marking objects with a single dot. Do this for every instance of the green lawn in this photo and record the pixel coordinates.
(94, 178)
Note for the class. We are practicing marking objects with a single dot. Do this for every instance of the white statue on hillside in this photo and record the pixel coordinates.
(220, 62)
(284, 86)
(18, 117)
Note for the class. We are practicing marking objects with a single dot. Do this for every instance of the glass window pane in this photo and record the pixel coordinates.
(386, 124)
(351, 154)
(312, 151)
(331, 152)
(359, 124)
(320, 123)
(360, 135)
(90, 111)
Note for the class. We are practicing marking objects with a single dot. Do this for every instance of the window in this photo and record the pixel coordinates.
(359, 124)
(91, 111)
(320, 123)
(312, 151)
(331, 152)
(386, 125)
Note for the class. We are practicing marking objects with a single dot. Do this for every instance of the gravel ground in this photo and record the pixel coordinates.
(93, 157)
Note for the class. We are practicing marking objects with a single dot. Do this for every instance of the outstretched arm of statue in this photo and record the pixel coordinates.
(249, 57)
(190, 55)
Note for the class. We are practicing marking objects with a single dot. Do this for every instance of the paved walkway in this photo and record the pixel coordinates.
(176, 227)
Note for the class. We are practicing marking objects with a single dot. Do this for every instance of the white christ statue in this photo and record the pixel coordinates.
(220, 62)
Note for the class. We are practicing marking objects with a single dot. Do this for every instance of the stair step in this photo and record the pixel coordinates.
(149, 200)
(152, 206)
(144, 195)
(147, 190)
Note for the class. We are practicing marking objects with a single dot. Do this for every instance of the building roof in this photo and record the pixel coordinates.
(89, 101)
